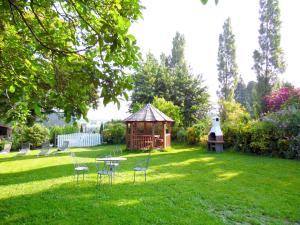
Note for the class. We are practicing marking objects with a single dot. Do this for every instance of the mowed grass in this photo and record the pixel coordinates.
(185, 185)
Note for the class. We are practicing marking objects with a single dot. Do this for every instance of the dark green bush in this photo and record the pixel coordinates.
(276, 135)
(57, 130)
(264, 138)
(114, 132)
(35, 135)
(181, 135)
(195, 134)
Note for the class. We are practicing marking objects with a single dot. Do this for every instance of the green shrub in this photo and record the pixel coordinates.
(114, 132)
(191, 137)
(264, 138)
(198, 132)
(277, 134)
(293, 150)
(16, 139)
(57, 130)
(181, 135)
(235, 125)
(36, 135)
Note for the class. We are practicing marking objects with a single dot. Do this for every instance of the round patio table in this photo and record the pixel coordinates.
(107, 159)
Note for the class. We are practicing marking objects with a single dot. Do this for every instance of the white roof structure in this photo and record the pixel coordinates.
(148, 114)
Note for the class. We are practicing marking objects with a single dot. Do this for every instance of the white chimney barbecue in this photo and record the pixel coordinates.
(215, 136)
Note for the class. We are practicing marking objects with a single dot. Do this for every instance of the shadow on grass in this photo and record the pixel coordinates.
(163, 160)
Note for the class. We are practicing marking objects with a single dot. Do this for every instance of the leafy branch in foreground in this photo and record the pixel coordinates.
(64, 55)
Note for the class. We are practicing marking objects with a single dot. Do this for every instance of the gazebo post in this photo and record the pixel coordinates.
(126, 138)
(131, 135)
(164, 135)
(153, 134)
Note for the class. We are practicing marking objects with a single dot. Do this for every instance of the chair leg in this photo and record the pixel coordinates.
(145, 176)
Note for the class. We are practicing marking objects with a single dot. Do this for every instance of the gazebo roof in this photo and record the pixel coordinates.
(148, 114)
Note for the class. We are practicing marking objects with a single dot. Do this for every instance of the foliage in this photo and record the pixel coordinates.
(101, 128)
(181, 135)
(277, 134)
(169, 109)
(17, 139)
(196, 133)
(114, 132)
(227, 66)
(276, 99)
(205, 1)
(177, 54)
(294, 101)
(268, 59)
(246, 95)
(58, 130)
(233, 113)
(251, 98)
(240, 93)
(36, 135)
(135, 107)
(235, 121)
(64, 55)
(264, 137)
(171, 79)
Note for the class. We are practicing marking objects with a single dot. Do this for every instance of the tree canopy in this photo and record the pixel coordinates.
(171, 79)
(64, 55)
(268, 59)
(227, 66)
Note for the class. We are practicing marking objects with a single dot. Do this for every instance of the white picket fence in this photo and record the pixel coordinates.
(80, 139)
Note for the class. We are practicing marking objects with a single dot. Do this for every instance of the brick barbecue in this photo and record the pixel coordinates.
(215, 136)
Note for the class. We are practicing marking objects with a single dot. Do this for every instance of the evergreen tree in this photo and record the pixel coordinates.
(177, 56)
(250, 98)
(240, 93)
(268, 59)
(172, 80)
(227, 67)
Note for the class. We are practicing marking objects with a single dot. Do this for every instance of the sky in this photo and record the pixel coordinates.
(201, 26)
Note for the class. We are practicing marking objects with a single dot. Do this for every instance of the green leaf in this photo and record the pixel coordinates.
(204, 1)
(37, 110)
(131, 37)
(12, 89)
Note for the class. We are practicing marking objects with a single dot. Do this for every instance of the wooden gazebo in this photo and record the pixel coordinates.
(148, 128)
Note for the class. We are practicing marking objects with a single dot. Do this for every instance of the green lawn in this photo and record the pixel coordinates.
(186, 185)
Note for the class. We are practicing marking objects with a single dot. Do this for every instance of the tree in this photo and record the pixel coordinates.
(144, 81)
(172, 80)
(240, 93)
(101, 128)
(268, 59)
(227, 67)
(251, 96)
(169, 109)
(177, 55)
(64, 55)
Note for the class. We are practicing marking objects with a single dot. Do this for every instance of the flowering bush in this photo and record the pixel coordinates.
(276, 100)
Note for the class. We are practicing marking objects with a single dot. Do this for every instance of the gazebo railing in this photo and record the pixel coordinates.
(141, 141)
(144, 141)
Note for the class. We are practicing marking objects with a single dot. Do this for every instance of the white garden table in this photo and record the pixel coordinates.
(109, 159)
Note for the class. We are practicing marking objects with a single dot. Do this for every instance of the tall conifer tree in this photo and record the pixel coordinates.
(227, 66)
(268, 59)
